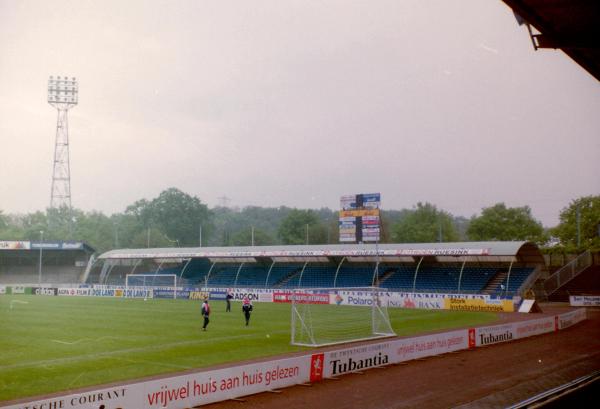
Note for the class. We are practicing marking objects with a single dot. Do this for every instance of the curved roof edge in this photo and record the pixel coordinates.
(485, 248)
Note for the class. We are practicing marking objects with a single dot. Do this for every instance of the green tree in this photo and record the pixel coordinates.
(424, 224)
(588, 208)
(151, 238)
(174, 213)
(32, 224)
(244, 238)
(293, 229)
(505, 224)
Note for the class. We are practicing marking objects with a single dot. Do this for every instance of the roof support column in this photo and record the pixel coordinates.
(416, 272)
(460, 275)
(337, 271)
(208, 275)
(508, 278)
(301, 273)
(183, 269)
(375, 275)
(269, 273)
(237, 274)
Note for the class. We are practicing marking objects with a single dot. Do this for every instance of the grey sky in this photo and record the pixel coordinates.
(295, 103)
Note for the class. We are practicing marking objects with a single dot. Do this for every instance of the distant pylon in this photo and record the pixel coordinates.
(224, 201)
(63, 93)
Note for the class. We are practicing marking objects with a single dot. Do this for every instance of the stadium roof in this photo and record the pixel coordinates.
(570, 25)
(501, 251)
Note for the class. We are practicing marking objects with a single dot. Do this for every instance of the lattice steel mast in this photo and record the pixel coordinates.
(63, 93)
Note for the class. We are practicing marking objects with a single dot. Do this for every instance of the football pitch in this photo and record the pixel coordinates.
(50, 344)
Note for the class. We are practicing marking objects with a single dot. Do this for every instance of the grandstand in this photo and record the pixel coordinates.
(48, 262)
(494, 268)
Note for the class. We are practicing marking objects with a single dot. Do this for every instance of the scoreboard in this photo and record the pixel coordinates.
(359, 218)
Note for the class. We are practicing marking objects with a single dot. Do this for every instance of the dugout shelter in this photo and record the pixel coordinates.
(44, 262)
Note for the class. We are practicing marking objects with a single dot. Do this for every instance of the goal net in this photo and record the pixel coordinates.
(151, 285)
(329, 316)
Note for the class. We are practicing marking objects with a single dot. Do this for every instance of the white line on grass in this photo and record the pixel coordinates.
(76, 379)
(17, 302)
(88, 357)
(58, 341)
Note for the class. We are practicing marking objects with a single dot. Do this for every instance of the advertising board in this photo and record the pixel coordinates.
(465, 304)
(585, 300)
(44, 291)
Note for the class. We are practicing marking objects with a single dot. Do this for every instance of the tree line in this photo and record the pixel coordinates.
(177, 219)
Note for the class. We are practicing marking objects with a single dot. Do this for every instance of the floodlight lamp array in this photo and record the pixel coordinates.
(63, 90)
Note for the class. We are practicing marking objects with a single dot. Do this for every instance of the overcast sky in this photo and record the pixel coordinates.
(295, 103)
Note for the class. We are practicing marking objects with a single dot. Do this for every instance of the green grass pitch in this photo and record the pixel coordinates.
(50, 344)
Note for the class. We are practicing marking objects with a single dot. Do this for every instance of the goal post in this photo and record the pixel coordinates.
(329, 316)
(143, 285)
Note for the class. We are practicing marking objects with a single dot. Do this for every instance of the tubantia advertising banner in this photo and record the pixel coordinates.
(45, 291)
(2, 289)
(571, 318)
(494, 334)
(356, 359)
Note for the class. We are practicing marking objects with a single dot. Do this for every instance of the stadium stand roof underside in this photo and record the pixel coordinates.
(570, 25)
(458, 252)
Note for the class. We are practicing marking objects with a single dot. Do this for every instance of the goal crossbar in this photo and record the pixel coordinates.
(146, 283)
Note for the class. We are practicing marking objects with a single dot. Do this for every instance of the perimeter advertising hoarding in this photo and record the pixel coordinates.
(534, 327)
(489, 305)
(56, 245)
(301, 298)
(188, 390)
(44, 291)
(585, 300)
(571, 318)
(15, 245)
(74, 292)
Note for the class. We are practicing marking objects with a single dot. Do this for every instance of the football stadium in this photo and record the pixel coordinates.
(124, 329)
(366, 323)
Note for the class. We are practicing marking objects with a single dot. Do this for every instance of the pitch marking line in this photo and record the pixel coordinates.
(88, 357)
(58, 341)
(17, 302)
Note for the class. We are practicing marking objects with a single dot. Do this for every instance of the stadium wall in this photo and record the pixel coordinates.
(208, 386)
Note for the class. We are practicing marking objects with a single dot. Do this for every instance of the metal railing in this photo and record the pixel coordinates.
(568, 272)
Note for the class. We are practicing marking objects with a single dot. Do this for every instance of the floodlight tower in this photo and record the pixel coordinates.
(63, 93)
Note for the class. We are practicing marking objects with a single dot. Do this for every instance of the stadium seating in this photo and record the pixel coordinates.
(396, 277)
